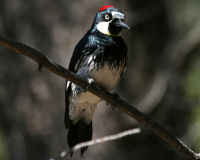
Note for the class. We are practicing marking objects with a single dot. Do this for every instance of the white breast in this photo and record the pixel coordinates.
(83, 104)
(106, 76)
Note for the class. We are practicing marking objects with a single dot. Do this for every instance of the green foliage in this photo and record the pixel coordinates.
(192, 80)
(3, 147)
(192, 92)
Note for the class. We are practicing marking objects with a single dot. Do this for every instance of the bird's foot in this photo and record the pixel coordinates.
(90, 82)
(116, 97)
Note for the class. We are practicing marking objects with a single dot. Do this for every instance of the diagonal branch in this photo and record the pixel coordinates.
(95, 89)
(98, 141)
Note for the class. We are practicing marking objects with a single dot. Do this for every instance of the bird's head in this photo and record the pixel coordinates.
(110, 21)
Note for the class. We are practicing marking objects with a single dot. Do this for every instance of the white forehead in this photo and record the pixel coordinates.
(117, 15)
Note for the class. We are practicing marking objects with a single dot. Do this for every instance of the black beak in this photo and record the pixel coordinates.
(120, 23)
(117, 25)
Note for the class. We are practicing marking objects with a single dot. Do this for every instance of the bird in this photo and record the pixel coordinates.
(99, 57)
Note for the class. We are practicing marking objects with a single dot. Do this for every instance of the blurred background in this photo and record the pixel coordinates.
(162, 79)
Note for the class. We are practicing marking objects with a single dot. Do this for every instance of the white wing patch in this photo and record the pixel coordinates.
(68, 83)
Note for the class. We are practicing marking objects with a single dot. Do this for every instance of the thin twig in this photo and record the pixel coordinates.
(98, 141)
(108, 97)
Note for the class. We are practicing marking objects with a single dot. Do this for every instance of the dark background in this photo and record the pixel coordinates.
(162, 78)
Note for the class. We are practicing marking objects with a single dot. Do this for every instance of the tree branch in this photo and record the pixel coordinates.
(98, 141)
(95, 89)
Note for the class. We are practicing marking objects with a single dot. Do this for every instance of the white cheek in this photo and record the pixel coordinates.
(103, 27)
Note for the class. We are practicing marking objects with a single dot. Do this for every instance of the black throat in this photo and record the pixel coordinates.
(113, 29)
(108, 49)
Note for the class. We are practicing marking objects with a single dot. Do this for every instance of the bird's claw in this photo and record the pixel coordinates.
(117, 97)
(90, 82)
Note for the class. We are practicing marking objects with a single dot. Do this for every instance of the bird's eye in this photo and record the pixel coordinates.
(107, 17)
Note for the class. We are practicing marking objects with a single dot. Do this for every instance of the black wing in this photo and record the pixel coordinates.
(81, 49)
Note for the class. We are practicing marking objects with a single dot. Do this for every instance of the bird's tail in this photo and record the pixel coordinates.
(79, 132)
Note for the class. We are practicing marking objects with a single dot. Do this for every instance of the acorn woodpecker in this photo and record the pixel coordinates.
(100, 57)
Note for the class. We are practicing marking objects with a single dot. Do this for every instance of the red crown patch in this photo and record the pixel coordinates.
(105, 7)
